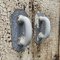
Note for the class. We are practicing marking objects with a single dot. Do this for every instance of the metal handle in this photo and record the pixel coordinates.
(43, 27)
(47, 27)
(21, 30)
(24, 40)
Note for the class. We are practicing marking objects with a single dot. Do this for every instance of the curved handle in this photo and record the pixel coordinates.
(42, 27)
(21, 30)
(47, 27)
(24, 40)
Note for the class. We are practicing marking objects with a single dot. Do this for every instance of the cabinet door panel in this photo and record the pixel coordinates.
(47, 50)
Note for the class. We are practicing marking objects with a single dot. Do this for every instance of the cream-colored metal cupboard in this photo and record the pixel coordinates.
(47, 50)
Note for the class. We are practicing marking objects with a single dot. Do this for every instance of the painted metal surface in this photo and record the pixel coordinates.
(17, 29)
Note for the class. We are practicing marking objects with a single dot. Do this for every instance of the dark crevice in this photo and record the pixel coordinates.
(59, 36)
(56, 57)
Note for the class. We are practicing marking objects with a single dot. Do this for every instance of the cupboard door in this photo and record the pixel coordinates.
(7, 7)
(47, 50)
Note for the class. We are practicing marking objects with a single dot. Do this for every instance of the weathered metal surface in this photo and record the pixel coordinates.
(48, 50)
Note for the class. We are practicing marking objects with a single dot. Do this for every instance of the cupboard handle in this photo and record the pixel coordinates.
(47, 27)
(42, 27)
(21, 30)
(24, 40)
